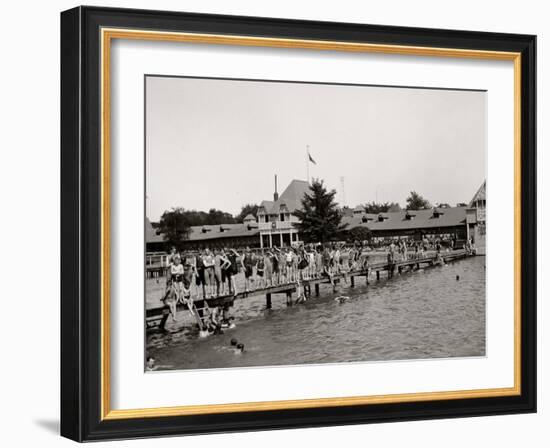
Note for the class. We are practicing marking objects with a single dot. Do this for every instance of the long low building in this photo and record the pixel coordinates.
(274, 224)
(447, 222)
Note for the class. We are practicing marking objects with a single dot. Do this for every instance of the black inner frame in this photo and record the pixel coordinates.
(81, 223)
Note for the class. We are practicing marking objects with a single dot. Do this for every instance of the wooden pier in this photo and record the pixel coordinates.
(158, 313)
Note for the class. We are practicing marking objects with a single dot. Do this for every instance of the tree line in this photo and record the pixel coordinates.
(320, 217)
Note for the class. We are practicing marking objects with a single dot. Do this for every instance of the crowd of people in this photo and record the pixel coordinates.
(221, 272)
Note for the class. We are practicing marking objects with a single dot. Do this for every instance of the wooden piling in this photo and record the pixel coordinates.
(268, 301)
(377, 275)
(317, 289)
(352, 281)
(288, 298)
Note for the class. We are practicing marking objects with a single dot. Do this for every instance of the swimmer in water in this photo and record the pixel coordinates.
(341, 299)
(234, 342)
(239, 349)
(150, 365)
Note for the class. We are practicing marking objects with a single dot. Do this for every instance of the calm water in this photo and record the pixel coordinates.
(426, 314)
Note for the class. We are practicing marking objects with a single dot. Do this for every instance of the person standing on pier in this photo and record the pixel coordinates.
(247, 263)
(199, 275)
(209, 277)
(289, 264)
(260, 271)
(232, 271)
(319, 262)
(268, 269)
(275, 267)
(282, 266)
(217, 272)
(225, 272)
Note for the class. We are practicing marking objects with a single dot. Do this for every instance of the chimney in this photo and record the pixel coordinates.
(275, 195)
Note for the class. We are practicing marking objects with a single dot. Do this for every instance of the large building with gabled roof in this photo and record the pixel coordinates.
(274, 224)
(276, 218)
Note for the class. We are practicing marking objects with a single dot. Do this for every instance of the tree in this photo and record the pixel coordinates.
(174, 226)
(320, 218)
(380, 207)
(218, 217)
(247, 209)
(358, 234)
(417, 202)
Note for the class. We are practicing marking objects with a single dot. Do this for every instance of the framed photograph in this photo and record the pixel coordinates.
(273, 223)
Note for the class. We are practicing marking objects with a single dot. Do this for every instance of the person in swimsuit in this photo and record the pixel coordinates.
(275, 265)
(327, 261)
(247, 263)
(302, 264)
(218, 272)
(209, 277)
(232, 271)
(268, 269)
(344, 263)
(282, 266)
(199, 275)
(289, 264)
(319, 262)
(188, 276)
(225, 264)
(176, 293)
(170, 257)
(260, 271)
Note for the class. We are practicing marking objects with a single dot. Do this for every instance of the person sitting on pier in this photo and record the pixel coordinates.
(226, 318)
(247, 263)
(212, 319)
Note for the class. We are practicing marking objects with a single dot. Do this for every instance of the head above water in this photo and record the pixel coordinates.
(240, 347)
(234, 341)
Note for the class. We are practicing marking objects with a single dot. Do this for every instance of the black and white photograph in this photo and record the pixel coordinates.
(292, 223)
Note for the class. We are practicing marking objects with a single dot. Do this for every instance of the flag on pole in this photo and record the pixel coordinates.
(311, 158)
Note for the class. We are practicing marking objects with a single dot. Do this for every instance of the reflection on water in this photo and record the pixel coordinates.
(425, 314)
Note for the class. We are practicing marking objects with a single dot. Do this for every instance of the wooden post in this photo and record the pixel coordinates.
(399, 269)
(352, 280)
(317, 289)
(268, 301)
(288, 298)
(377, 275)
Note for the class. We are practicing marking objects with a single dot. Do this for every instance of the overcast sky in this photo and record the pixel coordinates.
(218, 143)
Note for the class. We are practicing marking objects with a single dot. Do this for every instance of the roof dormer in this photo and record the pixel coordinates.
(437, 212)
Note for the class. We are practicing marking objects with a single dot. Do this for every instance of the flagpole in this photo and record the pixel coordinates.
(307, 162)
